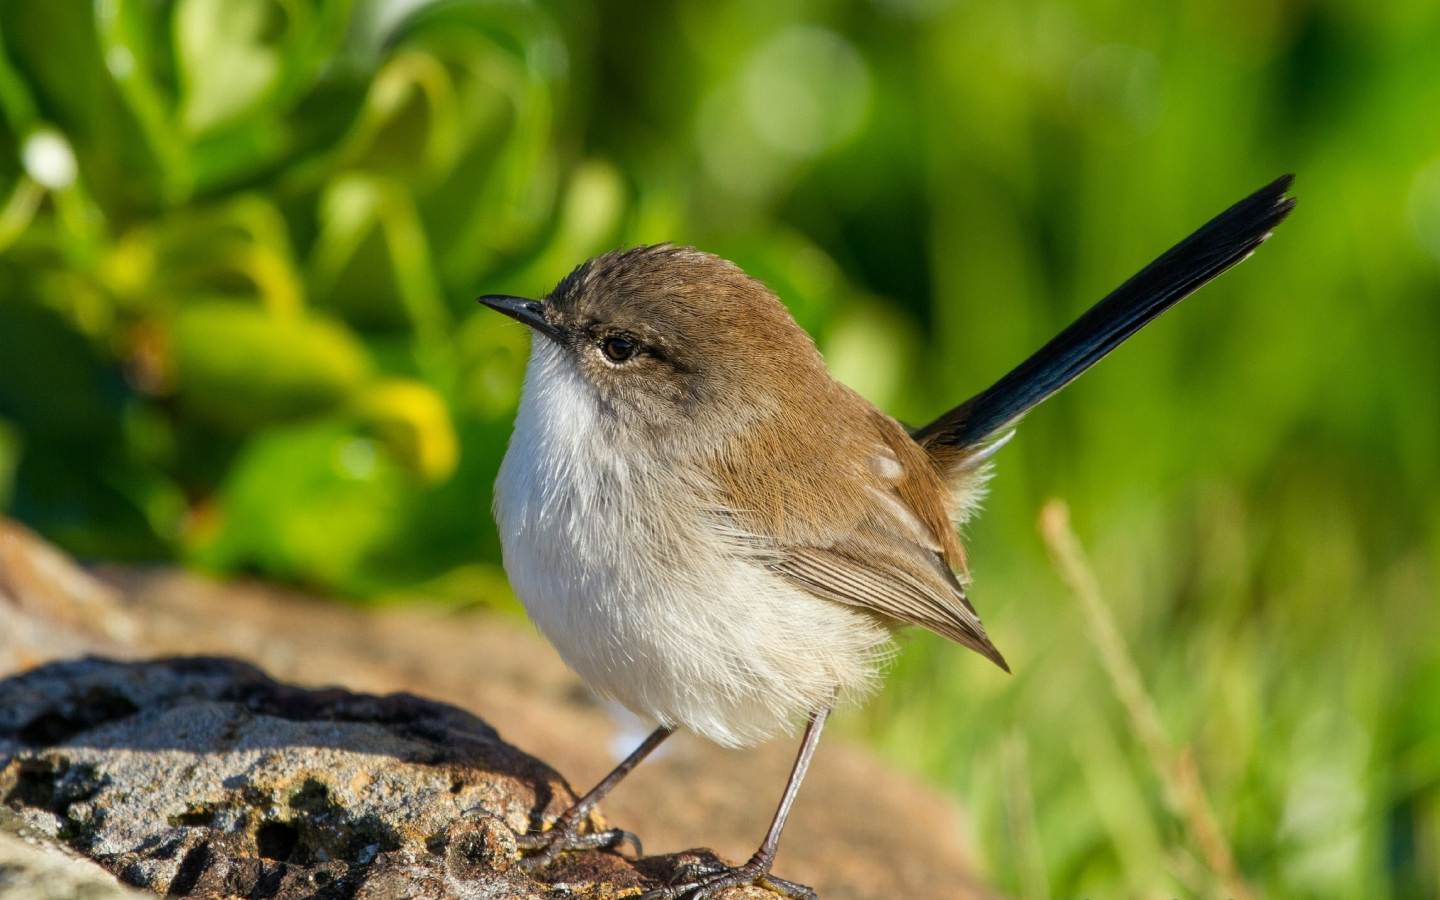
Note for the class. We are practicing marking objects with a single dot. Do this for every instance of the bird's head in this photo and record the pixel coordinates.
(667, 337)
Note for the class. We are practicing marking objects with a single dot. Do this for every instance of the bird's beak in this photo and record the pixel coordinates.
(530, 312)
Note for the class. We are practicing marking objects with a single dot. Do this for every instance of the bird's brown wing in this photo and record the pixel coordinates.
(856, 514)
(902, 581)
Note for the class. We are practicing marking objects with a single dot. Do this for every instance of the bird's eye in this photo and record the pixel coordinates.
(617, 349)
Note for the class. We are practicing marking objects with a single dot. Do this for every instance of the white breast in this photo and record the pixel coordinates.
(623, 569)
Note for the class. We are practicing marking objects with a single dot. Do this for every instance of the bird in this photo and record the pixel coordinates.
(717, 534)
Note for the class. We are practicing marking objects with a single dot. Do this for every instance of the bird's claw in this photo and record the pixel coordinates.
(565, 837)
(703, 881)
(697, 870)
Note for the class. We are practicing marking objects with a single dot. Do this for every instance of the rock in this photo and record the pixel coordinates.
(202, 777)
(32, 867)
(50, 607)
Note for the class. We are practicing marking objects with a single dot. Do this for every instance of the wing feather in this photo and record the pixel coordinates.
(893, 564)
(857, 515)
(917, 588)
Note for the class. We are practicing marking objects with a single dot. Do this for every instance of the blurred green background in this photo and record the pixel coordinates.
(239, 242)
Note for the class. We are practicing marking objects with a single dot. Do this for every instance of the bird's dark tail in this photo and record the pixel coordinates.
(1222, 242)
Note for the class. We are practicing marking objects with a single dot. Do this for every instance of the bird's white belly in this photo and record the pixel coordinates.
(645, 597)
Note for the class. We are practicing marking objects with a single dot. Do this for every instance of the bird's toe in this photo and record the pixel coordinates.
(702, 881)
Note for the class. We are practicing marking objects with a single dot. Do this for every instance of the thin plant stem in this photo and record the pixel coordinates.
(1185, 793)
(1020, 816)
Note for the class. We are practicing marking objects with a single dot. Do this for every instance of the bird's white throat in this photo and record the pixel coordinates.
(621, 562)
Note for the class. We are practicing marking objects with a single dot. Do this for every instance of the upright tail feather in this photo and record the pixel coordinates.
(1221, 243)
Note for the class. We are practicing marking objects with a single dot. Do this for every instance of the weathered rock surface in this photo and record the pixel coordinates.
(34, 867)
(204, 778)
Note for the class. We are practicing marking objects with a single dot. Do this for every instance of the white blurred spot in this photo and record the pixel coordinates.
(1423, 207)
(48, 159)
(806, 90)
(1325, 811)
(357, 458)
(120, 61)
(1120, 89)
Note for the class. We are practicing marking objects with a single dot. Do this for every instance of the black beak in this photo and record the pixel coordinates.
(530, 312)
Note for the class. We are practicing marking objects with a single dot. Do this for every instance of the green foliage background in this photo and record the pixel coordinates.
(239, 241)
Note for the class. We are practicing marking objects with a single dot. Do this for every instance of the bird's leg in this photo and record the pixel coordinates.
(565, 834)
(757, 871)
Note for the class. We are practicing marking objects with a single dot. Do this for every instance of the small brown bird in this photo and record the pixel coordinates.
(720, 536)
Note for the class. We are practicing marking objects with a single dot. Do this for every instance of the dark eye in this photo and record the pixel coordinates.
(617, 349)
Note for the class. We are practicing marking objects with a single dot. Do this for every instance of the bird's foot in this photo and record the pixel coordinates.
(702, 881)
(566, 835)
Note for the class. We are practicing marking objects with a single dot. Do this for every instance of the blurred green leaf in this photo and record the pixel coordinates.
(19, 210)
(226, 64)
(241, 367)
(16, 102)
(140, 65)
(414, 423)
(199, 150)
(306, 504)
